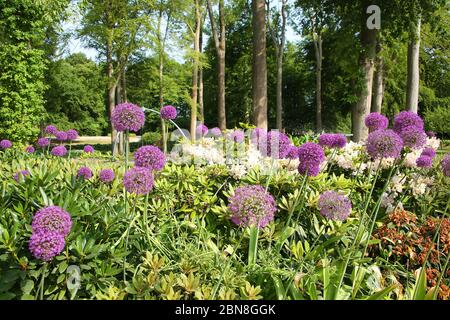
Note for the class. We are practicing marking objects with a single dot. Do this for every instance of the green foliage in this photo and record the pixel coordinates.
(437, 120)
(151, 137)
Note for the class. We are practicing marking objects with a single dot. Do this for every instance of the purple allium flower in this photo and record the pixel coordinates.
(43, 142)
(334, 205)
(431, 134)
(138, 180)
(59, 151)
(292, 153)
(430, 152)
(202, 130)
(127, 116)
(88, 149)
(5, 144)
(216, 132)
(376, 121)
(237, 136)
(50, 129)
(384, 144)
(424, 162)
(311, 156)
(46, 245)
(52, 219)
(407, 119)
(445, 164)
(149, 157)
(85, 173)
(106, 175)
(61, 136)
(413, 137)
(252, 206)
(168, 113)
(29, 149)
(72, 134)
(332, 140)
(22, 173)
(277, 145)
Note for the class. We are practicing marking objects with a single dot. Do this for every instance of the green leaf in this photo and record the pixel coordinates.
(382, 293)
(420, 287)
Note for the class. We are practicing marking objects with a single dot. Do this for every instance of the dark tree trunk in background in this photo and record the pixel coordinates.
(259, 74)
(200, 78)
(280, 44)
(111, 93)
(378, 82)
(412, 93)
(194, 96)
(319, 58)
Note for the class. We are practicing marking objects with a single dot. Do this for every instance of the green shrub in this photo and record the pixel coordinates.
(151, 137)
(437, 120)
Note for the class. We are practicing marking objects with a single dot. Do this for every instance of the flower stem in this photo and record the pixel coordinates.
(44, 270)
(253, 246)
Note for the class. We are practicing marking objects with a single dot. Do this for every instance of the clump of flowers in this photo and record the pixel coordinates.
(106, 175)
(85, 173)
(252, 206)
(311, 156)
(202, 130)
(376, 121)
(150, 157)
(88, 149)
(424, 162)
(278, 145)
(429, 152)
(334, 205)
(50, 129)
(216, 132)
(61, 136)
(72, 134)
(168, 113)
(407, 119)
(127, 116)
(52, 219)
(384, 144)
(5, 144)
(138, 180)
(292, 152)
(332, 140)
(46, 245)
(237, 136)
(445, 164)
(413, 137)
(43, 142)
(29, 149)
(59, 151)
(22, 173)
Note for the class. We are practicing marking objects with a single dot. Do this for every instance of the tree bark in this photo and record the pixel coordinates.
(219, 42)
(200, 78)
(412, 94)
(378, 84)
(367, 60)
(111, 93)
(194, 95)
(259, 74)
(280, 55)
(319, 57)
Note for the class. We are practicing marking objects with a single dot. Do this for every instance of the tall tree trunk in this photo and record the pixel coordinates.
(119, 99)
(111, 92)
(200, 78)
(280, 55)
(195, 70)
(219, 42)
(368, 40)
(259, 74)
(378, 82)
(412, 94)
(319, 57)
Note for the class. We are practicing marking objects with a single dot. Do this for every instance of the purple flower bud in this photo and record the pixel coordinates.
(88, 149)
(127, 116)
(168, 113)
(138, 180)
(149, 157)
(334, 206)
(29, 149)
(311, 156)
(106, 175)
(72, 134)
(50, 129)
(376, 121)
(52, 219)
(5, 144)
(59, 151)
(85, 173)
(46, 245)
(424, 162)
(384, 144)
(43, 142)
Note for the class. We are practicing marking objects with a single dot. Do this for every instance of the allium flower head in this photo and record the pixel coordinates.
(216, 132)
(407, 119)
(311, 156)
(424, 162)
(106, 175)
(332, 140)
(52, 219)
(138, 180)
(252, 206)
(237, 136)
(29, 149)
(88, 149)
(20, 174)
(168, 113)
(376, 121)
(127, 116)
(149, 157)
(292, 153)
(72, 134)
(430, 152)
(59, 151)
(445, 164)
(46, 245)
(61, 136)
(202, 130)
(413, 137)
(85, 173)
(384, 144)
(334, 205)
(50, 129)
(5, 144)
(431, 134)
(43, 142)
